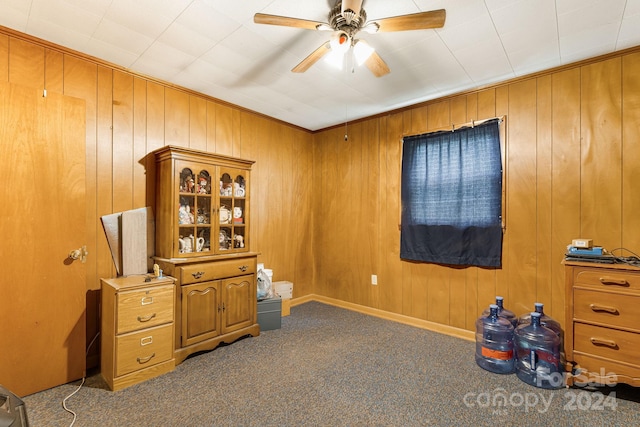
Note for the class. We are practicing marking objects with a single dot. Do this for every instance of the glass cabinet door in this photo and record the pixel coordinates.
(232, 211)
(194, 209)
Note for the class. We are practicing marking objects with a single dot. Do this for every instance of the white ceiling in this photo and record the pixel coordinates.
(214, 47)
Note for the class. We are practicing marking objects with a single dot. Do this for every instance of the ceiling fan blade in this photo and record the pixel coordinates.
(377, 65)
(415, 21)
(261, 18)
(312, 58)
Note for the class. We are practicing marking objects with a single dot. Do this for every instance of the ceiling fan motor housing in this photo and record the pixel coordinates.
(349, 21)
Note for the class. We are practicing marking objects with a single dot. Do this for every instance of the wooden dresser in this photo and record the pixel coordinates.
(602, 330)
(137, 329)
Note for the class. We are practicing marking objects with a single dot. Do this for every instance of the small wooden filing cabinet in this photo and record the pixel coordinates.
(602, 332)
(137, 329)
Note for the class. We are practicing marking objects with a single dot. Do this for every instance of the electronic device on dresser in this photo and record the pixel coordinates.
(602, 331)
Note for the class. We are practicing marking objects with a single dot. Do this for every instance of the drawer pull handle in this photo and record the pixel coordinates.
(610, 281)
(146, 319)
(606, 343)
(146, 300)
(197, 274)
(242, 268)
(611, 310)
(142, 360)
(146, 340)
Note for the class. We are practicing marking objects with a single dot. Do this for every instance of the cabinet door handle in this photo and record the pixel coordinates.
(243, 268)
(142, 360)
(197, 274)
(610, 281)
(611, 310)
(146, 319)
(606, 343)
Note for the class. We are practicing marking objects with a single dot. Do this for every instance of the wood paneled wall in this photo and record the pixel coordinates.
(326, 211)
(572, 150)
(129, 116)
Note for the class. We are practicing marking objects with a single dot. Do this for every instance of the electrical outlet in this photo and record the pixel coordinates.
(374, 279)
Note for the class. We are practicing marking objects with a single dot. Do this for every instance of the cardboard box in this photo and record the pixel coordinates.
(286, 307)
(269, 316)
(284, 289)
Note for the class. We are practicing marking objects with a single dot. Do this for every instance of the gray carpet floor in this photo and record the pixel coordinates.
(329, 366)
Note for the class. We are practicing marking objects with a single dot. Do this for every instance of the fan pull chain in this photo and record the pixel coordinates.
(346, 119)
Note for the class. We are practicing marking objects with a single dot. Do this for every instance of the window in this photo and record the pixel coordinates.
(452, 196)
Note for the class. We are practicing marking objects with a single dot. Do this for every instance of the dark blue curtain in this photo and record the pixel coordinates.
(452, 197)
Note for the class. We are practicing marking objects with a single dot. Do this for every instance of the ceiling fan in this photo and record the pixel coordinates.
(345, 20)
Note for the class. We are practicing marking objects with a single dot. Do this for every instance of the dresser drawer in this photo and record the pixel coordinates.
(144, 308)
(142, 349)
(217, 270)
(607, 279)
(607, 343)
(608, 308)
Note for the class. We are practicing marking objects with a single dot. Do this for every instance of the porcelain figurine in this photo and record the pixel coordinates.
(239, 189)
(202, 186)
(237, 214)
(225, 215)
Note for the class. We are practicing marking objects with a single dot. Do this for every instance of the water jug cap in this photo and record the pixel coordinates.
(493, 311)
(535, 318)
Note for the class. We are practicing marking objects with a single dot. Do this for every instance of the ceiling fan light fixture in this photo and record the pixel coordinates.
(362, 51)
(340, 42)
(335, 59)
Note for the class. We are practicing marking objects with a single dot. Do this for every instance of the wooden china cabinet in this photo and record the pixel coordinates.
(202, 240)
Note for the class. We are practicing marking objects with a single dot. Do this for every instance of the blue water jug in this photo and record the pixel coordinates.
(494, 343)
(545, 320)
(503, 312)
(538, 360)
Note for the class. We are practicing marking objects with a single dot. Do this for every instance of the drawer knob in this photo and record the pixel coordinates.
(616, 282)
(142, 360)
(146, 319)
(197, 274)
(604, 308)
(242, 268)
(603, 342)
